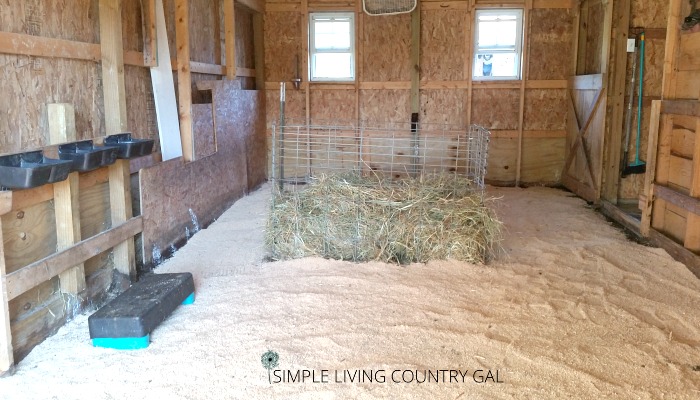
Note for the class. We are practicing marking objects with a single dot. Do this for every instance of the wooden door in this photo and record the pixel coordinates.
(583, 168)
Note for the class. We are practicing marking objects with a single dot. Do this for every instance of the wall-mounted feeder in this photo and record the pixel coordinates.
(128, 147)
(86, 156)
(31, 169)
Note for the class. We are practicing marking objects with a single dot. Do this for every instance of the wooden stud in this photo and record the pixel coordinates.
(616, 97)
(415, 59)
(692, 232)
(184, 77)
(523, 79)
(468, 61)
(230, 38)
(148, 15)
(29, 45)
(259, 45)
(6, 352)
(67, 203)
(668, 85)
(305, 57)
(112, 66)
(121, 211)
(650, 175)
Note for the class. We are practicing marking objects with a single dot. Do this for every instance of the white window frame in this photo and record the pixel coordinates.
(313, 50)
(518, 48)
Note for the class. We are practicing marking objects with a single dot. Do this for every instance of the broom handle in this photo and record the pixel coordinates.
(641, 94)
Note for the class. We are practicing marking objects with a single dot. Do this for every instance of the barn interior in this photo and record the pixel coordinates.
(591, 108)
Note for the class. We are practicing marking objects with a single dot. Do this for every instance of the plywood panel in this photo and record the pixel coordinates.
(204, 31)
(29, 83)
(496, 108)
(386, 48)
(207, 186)
(545, 109)
(502, 161)
(649, 14)
(594, 40)
(551, 35)
(682, 142)
(140, 104)
(444, 106)
(69, 19)
(385, 105)
(33, 328)
(282, 45)
(443, 51)
(203, 130)
(28, 235)
(132, 25)
(543, 160)
(327, 106)
(294, 109)
(245, 51)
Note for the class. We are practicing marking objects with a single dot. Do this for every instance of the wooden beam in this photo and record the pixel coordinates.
(692, 231)
(184, 77)
(415, 60)
(148, 15)
(40, 271)
(678, 199)
(36, 46)
(67, 203)
(553, 3)
(230, 38)
(6, 353)
(113, 66)
(681, 107)
(523, 78)
(259, 50)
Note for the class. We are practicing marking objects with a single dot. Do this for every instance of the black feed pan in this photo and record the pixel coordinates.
(128, 146)
(86, 156)
(59, 168)
(17, 172)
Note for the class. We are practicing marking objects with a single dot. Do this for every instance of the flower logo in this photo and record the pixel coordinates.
(270, 360)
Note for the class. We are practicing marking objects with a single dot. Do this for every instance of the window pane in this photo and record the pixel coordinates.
(497, 34)
(497, 65)
(332, 35)
(332, 65)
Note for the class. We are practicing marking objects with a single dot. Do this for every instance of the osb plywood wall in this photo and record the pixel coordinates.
(29, 83)
(652, 17)
(447, 95)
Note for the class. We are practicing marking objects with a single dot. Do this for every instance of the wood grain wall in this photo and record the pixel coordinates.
(447, 95)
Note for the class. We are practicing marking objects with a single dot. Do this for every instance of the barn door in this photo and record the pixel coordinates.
(583, 168)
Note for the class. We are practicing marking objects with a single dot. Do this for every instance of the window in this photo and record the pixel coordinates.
(498, 44)
(332, 46)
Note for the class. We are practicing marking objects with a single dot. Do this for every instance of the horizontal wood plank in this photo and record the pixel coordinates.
(681, 107)
(682, 200)
(37, 46)
(40, 271)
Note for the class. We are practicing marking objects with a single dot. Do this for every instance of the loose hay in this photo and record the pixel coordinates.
(349, 217)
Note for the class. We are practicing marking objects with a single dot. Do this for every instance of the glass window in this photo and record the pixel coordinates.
(498, 44)
(332, 46)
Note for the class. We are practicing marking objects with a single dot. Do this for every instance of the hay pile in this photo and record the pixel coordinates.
(349, 217)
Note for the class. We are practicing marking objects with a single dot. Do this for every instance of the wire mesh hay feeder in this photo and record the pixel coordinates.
(389, 192)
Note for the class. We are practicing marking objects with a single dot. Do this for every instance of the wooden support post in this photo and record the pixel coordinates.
(230, 38)
(148, 15)
(523, 80)
(6, 352)
(115, 115)
(184, 77)
(649, 178)
(120, 209)
(67, 205)
(305, 58)
(616, 99)
(692, 230)
(112, 66)
(259, 45)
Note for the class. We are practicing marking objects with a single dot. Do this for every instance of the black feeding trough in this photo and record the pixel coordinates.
(31, 169)
(86, 156)
(128, 146)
